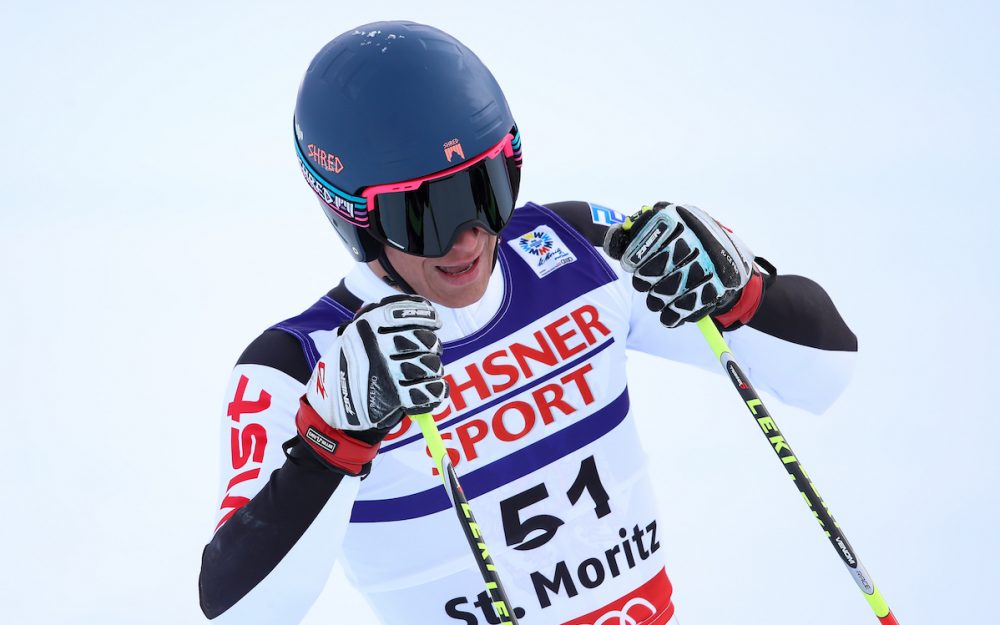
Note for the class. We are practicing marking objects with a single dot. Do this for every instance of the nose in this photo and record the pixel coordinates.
(467, 242)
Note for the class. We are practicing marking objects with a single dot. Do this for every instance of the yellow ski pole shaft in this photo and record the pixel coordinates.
(794, 468)
(498, 596)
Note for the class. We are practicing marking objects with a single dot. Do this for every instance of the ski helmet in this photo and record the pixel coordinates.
(407, 139)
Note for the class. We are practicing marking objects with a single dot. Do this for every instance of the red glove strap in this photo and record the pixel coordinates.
(747, 304)
(333, 445)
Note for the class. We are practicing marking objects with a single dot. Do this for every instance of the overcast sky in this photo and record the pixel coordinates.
(154, 221)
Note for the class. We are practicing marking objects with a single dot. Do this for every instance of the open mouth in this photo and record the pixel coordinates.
(457, 270)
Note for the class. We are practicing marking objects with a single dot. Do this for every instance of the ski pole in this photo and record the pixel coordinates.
(498, 596)
(799, 476)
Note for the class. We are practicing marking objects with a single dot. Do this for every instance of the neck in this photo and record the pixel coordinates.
(388, 274)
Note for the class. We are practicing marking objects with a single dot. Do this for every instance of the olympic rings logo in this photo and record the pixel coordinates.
(623, 614)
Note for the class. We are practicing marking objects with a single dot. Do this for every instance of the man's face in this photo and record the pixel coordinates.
(455, 280)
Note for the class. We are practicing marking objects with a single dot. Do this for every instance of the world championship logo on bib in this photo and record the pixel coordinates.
(542, 249)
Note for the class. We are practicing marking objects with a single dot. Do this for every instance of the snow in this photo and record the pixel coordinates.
(154, 220)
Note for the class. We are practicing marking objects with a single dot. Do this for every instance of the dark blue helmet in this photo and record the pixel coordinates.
(407, 139)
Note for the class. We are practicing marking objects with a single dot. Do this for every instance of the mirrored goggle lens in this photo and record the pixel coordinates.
(426, 220)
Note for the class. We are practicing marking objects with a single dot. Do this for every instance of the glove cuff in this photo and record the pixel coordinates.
(746, 305)
(335, 447)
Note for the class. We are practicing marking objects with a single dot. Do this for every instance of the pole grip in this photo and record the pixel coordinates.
(434, 441)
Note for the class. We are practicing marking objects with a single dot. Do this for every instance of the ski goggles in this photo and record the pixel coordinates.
(423, 216)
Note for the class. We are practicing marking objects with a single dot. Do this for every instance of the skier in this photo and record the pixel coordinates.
(511, 326)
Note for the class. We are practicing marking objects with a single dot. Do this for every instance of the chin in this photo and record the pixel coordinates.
(467, 297)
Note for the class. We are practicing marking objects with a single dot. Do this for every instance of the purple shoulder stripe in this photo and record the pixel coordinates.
(325, 314)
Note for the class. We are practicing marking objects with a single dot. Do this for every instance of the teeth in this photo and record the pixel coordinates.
(459, 271)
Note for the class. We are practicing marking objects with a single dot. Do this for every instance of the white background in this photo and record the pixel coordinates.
(154, 221)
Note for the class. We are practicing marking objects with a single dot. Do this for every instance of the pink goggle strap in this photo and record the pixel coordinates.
(505, 145)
